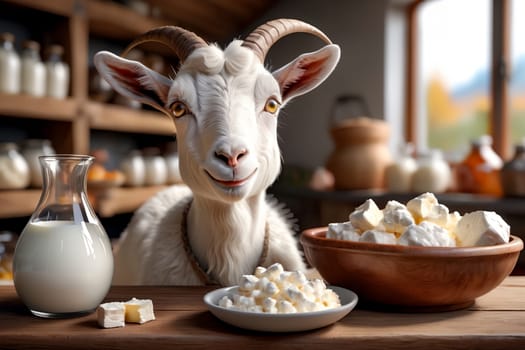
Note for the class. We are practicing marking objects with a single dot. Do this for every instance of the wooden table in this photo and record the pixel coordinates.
(495, 321)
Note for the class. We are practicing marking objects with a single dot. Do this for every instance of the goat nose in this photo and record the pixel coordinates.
(231, 159)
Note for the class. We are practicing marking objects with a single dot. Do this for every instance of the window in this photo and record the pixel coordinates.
(457, 49)
(517, 75)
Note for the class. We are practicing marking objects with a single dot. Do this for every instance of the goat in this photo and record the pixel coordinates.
(224, 104)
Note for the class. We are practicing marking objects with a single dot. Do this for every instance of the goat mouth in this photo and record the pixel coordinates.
(232, 183)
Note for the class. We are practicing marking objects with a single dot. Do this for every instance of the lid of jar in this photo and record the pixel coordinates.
(31, 44)
(36, 143)
(8, 146)
(55, 50)
(6, 36)
(483, 140)
(151, 151)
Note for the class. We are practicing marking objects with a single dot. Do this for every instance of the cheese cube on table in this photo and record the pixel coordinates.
(111, 315)
(139, 310)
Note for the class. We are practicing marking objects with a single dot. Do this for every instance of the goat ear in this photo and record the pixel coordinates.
(134, 80)
(307, 71)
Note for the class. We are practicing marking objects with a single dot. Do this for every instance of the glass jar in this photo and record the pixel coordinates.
(9, 65)
(156, 172)
(513, 173)
(63, 262)
(33, 75)
(171, 157)
(31, 150)
(433, 173)
(57, 73)
(134, 169)
(14, 170)
(479, 171)
(398, 175)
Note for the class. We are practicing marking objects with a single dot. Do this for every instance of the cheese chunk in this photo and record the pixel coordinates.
(396, 218)
(482, 228)
(422, 206)
(111, 315)
(367, 216)
(343, 231)
(427, 234)
(139, 310)
(375, 236)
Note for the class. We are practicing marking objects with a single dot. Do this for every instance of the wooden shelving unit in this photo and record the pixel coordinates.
(120, 200)
(69, 123)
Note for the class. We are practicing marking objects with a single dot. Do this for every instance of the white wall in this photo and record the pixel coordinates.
(360, 28)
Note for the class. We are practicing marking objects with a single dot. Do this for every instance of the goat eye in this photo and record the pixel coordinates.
(272, 106)
(179, 109)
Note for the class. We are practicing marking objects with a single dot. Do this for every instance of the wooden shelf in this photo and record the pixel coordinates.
(57, 7)
(106, 202)
(120, 200)
(18, 203)
(117, 118)
(38, 107)
(102, 15)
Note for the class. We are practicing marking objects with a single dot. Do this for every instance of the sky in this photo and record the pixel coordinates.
(456, 35)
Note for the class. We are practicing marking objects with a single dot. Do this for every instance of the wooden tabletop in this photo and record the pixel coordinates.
(495, 321)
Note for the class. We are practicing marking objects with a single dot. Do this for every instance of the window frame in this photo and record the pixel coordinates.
(500, 75)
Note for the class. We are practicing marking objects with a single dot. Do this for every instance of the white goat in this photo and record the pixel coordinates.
(224, 105)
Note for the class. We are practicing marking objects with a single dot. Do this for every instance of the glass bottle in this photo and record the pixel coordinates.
(32, 150)
(33, 71)
(513, 173)
(57, 73)
(133, 168)
(156, 170)
(172, 164)
(9, 65)
(63, 262)
(433, 173)
(479, 171)
(14, 170)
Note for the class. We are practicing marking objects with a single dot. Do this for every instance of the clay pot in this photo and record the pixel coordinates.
(361, 153)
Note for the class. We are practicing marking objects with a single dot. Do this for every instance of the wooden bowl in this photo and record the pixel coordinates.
(410, 278)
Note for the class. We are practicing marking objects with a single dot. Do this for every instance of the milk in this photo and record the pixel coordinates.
(61, 267)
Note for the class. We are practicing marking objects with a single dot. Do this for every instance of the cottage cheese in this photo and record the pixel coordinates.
(423, 221)
(274, 290)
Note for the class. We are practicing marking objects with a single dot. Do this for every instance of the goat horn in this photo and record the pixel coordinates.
(264, 36)
(180, 40)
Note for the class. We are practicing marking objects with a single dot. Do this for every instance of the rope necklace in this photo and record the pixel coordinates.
(203, 276)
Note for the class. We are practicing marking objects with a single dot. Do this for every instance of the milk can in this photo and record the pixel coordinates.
(63, 263)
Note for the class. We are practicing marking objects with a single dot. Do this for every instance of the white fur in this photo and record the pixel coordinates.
(229, 155)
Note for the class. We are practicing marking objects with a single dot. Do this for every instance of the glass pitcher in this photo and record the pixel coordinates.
(63, 263)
